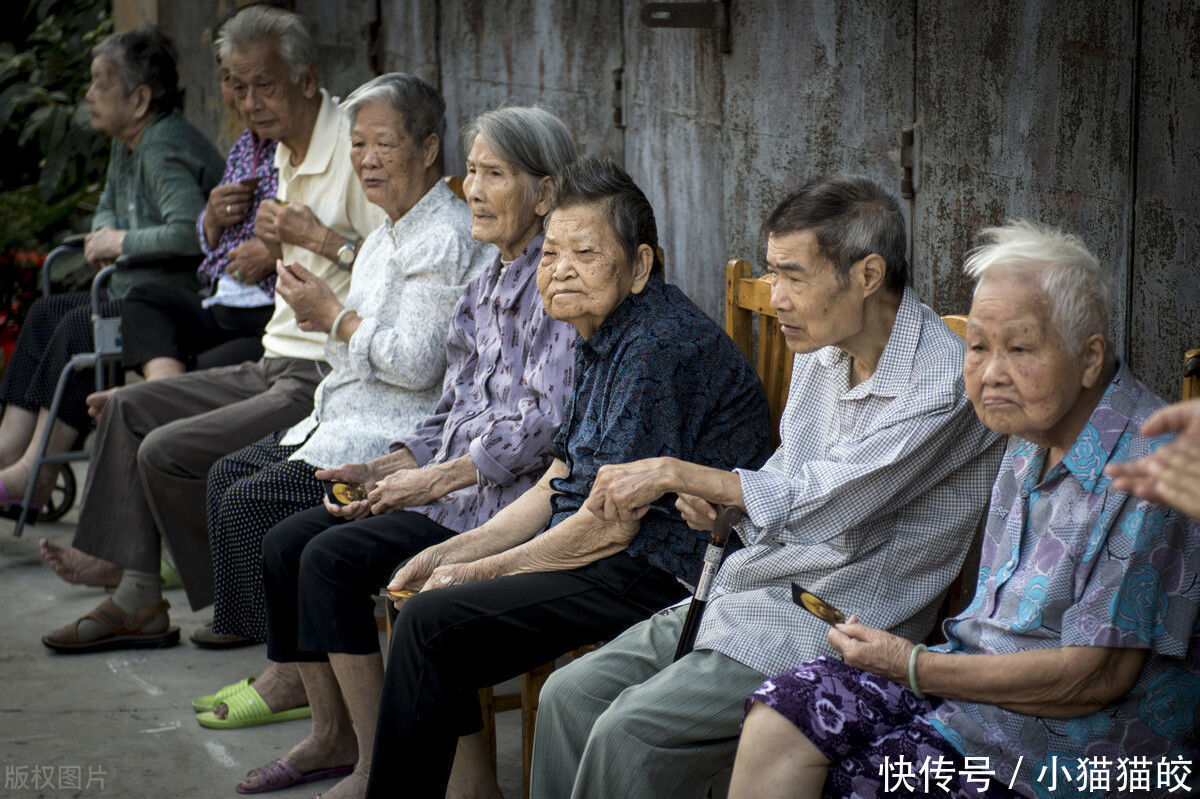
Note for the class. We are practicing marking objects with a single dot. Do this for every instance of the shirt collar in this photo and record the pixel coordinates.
(613, 329)
(320, 147)
(430, 203)
(894, 371)
(507, 288)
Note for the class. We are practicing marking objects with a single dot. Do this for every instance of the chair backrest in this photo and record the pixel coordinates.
(454, 182)
(1191, 375)
(744, 297)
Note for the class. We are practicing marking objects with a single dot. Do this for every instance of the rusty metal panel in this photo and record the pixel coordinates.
(559, 55)
(811, 87)
(343, 32)
(1165, 297)
(1024, 109)
(408, 40)
(673, 149)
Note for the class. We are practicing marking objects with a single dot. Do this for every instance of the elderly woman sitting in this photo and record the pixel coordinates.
(1081, 642)
(507, 380)
(653, 376)
(159, 171)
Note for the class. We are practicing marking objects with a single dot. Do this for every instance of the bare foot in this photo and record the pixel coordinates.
(281, 688)
(78, 567)
(96, 402)
(332, 750)
(352, 786)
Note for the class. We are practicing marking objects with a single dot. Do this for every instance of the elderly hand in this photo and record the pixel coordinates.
(264, 221)
(250, 262)
(227, 204)
(456, 574)
(1171, 474)
(623, 492)
(348, 473)
(103, 246)
(872, 650)
(699, 513)
(415, 572)
(295, 223)
(351, 512)
(313, 301)
(403, 489)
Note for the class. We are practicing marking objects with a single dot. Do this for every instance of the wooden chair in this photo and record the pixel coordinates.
(1191, 375)
(746, 296)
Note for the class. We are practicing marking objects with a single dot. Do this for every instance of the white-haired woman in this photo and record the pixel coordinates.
(507, 380)
(1081, 642)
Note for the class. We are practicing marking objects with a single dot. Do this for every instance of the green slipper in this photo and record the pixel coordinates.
(210, 701)
(248, 709)
(168, 575)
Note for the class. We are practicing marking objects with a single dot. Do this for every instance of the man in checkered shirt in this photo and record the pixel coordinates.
(870, 502)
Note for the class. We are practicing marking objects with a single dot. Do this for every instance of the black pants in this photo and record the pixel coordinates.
(321, 575)
(162, 320)
(449, 643)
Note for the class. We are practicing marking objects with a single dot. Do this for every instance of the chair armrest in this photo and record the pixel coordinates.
(74, 241)
(70, 244)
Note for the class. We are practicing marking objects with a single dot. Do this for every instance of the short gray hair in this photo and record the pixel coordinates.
(255, 23)
(1079, 291)
(530, 138)
(423, 109)
(144, 57)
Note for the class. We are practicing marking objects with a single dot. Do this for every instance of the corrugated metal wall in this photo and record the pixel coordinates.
(1076, 113)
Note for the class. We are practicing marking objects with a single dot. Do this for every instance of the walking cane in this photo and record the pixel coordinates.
(726, 518)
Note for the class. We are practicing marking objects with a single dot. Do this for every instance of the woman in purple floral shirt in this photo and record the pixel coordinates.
(1074, 671)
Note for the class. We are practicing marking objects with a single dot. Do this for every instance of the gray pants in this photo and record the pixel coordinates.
(626, 721)
(174, 430)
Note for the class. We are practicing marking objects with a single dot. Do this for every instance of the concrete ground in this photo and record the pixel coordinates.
(120, 723)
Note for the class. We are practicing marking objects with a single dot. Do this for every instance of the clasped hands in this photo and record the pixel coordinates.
(403, 488)
(103, 246)
(291, 223)
(624, 491)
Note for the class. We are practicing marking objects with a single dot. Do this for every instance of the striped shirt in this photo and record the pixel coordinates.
(870, 502)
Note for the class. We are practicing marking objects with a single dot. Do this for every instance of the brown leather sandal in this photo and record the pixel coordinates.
(124, 630)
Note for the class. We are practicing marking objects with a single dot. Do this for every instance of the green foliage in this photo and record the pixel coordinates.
(53, 154)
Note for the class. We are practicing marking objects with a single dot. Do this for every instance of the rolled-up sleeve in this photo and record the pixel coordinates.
(518, 442)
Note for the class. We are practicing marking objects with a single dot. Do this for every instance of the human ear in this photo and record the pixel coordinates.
(430, 149)
(1095, 355)
(642, 266)
(141, 100)
(308, 81)
(874, 270)
(543, 190)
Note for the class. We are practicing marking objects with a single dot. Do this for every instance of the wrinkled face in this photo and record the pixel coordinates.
(814, 310)
(584, 274)
(1019, 373)
(389, 164)
(110, 109)
(503, 200)
(269, 101)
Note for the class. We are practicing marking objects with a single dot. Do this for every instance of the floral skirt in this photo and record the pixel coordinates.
(874, 733)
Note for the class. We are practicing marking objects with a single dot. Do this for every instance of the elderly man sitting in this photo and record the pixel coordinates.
(176, 428)
(1081, 645)
(869, 502)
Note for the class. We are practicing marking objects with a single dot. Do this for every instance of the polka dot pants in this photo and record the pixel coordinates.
(249, 492)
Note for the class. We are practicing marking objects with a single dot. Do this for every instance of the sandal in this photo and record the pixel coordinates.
(247, 708)
(280, 774)
(12, 507)
(205, 638)
(210, 701)
(124, 630)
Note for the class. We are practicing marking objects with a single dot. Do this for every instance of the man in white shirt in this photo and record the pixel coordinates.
(175, 429)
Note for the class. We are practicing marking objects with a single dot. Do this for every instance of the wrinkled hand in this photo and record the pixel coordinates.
(699, 513)
(415, 572)
(1171, 474)
(265, 219)
(351, 512)
(313, 301)
(228, 203)
(103, 246)
(295, 223)
(403, 489)
(623, 492)
(455, 574)
(872, 650)
(250, 261)
(348, 473)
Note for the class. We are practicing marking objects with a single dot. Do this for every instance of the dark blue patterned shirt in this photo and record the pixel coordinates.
(659, 378)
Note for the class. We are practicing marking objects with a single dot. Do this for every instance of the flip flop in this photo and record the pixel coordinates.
(279, 774)
(124, 631)
(247, 708)
(210, 701)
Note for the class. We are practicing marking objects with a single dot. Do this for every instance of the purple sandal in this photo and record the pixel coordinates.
(279, 774)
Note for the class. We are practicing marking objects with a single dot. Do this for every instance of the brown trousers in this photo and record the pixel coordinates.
(154, 446)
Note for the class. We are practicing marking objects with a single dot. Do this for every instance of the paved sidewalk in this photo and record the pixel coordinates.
(122, 721)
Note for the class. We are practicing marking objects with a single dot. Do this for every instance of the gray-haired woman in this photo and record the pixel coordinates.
(508, 376)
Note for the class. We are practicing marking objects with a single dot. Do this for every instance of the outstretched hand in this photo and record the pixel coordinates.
(1171, 474)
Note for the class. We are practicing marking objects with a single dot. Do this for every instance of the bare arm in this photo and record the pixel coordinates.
(1060, 682)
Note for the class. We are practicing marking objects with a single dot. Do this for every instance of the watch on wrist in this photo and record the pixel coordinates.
(345, 254)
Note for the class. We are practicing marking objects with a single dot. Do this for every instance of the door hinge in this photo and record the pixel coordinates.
(910, 160)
